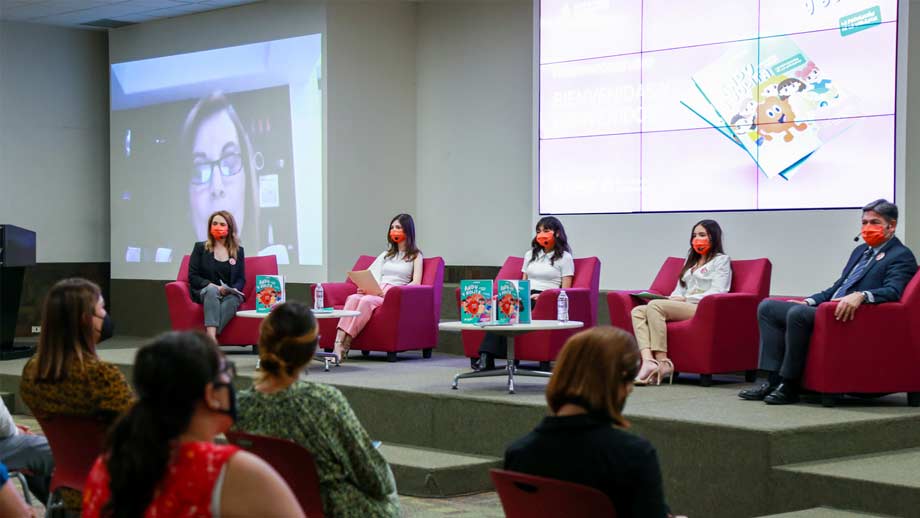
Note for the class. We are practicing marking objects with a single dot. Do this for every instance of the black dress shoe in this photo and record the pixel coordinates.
(474, 364)
(757, 393)
(485, 362)
(785, 394)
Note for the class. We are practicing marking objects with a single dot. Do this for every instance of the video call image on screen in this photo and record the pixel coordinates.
(237, 129)
(662, 106)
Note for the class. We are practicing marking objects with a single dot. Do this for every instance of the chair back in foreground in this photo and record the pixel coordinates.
(185, 315)
(529, 496)
(292, 461)
(76, 442)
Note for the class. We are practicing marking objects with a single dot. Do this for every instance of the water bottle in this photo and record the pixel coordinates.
(562, 307)
(318, 296)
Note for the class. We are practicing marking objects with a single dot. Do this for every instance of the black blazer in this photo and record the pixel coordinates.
(589, 450)
(202, 270)
(886, 276)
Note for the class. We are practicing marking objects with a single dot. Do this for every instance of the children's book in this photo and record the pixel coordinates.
(476, 301)
(513, 302)
(647, 295)
(773, 101)
(269, 292)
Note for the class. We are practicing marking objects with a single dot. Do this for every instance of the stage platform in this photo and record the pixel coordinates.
(720, 456)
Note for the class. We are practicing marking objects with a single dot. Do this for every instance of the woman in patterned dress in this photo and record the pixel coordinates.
(355, 480)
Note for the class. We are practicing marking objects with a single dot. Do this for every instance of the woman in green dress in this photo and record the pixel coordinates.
(354, 478)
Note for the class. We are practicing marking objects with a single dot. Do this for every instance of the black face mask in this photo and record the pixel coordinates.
(232, 394)
(108, 328)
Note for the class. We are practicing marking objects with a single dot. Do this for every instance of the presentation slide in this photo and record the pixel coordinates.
(236, 129)
(666, 106)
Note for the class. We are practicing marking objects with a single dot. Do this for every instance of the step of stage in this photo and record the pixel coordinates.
(885, 483)
(824, 512)
(427, 472)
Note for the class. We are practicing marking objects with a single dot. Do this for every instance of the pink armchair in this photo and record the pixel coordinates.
(187, 315)
(544, 346)
(407, 320)
(723, 335)
(878, 352)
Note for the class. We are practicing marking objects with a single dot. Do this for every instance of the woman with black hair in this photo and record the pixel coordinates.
(399, 265)
(706, 271)
(548, 264)
(160, 459)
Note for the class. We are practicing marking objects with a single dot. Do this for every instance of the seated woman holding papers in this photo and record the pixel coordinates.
(217, 273)
(548, 264)
(399, 265)
(706, 271)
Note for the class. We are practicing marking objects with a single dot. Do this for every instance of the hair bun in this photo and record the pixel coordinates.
(271, 362)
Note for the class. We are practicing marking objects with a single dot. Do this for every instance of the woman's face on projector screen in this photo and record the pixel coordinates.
(218, 180)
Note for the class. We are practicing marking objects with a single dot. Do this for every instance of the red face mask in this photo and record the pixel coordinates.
(546, 239)
(397, 235)
(701, 245)
(874, 235)
(218, 232)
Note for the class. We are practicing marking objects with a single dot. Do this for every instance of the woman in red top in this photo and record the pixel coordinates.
(160, 460)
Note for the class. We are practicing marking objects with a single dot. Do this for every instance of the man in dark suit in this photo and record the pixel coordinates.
(877, 272)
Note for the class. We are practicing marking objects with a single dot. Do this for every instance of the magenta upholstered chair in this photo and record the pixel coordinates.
(407, 320)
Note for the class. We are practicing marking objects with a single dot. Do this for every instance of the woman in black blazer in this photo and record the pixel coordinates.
(584, 440)
(217, 273)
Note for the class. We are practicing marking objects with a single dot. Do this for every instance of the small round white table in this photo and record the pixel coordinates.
(509, 331)
(335, 313)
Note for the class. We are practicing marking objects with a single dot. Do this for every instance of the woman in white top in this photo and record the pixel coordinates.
(399, 265)
(548, 264)
(707, 271)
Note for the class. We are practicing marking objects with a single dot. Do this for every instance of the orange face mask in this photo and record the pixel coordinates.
(701, 245)
(546, 239)
(874, 235)
(397, 235)
(218, 232)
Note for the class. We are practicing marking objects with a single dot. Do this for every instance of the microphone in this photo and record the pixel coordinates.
(857, 237)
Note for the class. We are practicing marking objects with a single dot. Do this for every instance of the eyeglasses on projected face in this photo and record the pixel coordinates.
(229, 165)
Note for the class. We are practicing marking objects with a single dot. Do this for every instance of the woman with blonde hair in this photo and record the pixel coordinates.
(217, 272)
(584, 439)
(354, 479)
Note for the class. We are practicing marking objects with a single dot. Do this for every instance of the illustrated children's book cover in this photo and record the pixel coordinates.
(476, 301)
(269, 292)
(513, 302)
(776, 103)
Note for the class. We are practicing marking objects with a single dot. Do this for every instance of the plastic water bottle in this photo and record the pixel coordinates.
(318, 296)
(562, 307)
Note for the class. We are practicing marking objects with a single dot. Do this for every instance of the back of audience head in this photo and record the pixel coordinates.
(72, 318)
(595, 371)
(178, 375)
(287, 340)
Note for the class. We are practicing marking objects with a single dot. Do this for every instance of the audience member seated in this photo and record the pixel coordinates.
(876, 272)
(217, 273)
(160, 458)
(399, 265)
(584, 440)
(65, 377)
(11, 504)
(707, 271)
(548, 264)
(355, 480)
(22, 450)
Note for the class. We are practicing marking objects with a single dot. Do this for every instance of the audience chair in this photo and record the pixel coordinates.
(723, 335)
(293, 462)
(186, 315)
(75, 443)
(544, 346)
(878, 352)
(407, 320)
(528, 496)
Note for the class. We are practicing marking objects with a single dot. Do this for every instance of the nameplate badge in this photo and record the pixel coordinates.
(880, 256)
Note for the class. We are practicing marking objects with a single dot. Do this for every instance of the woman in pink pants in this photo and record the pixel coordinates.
(399, 265)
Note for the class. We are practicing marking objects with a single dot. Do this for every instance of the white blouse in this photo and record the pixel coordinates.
(713, 277)
(395, 271)
(542, 274)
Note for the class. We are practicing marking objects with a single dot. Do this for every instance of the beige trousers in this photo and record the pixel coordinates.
(650, 321)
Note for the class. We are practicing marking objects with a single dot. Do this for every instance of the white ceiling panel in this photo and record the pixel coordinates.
(74, 13)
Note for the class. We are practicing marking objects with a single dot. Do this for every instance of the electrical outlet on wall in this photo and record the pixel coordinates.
(36, 329)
